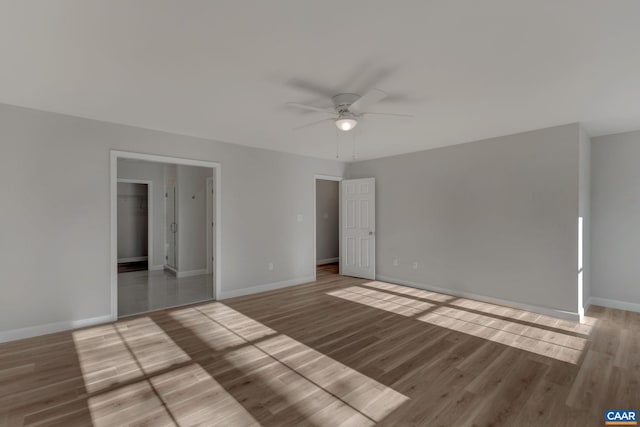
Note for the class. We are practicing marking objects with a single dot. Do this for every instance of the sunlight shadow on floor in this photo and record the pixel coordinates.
(566, 348)
(194, 397)
(584, 327)
(184, 396)
(316, 384)
(449, 312)
(117, 353)
(382, 300)
(418, 293)
(119, 364)
(176, 367)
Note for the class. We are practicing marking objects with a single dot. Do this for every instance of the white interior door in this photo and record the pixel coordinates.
(358, 229)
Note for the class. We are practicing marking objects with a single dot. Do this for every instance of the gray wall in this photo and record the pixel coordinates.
(153, 172)
(133, 217)
(327, 219)
(55, 259)
(497, 218)
(192, 217)
(615, 209)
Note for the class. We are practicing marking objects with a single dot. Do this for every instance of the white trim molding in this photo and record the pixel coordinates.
(329, 177)
(266, 287)
(50, 328)
(156, 267)
(211, 223)
(133, 259)
(191, 273)
(612, 303)
(169, 268)
(327, 261)
(528, 307)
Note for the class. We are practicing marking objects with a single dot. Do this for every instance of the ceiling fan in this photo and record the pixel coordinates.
(347, 109)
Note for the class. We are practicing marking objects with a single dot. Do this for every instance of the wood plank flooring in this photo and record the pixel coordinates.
(339, 351)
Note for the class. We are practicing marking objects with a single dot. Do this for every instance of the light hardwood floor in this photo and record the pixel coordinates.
(340, 351)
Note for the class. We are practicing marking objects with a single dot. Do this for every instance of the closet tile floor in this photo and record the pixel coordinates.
(143, 291)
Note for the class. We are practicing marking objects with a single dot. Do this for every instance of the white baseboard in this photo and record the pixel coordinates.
(49, 328)
(133, 259)
(190, 273)
(327, 261)
(171, 269)
(612, 303)
(533, 308)
(156, 267)
(264, 288)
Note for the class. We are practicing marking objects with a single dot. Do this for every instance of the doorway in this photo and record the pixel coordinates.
(327, 223)
(176, 204)
(134, 224)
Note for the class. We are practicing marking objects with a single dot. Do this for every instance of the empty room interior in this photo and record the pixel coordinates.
(287, 213)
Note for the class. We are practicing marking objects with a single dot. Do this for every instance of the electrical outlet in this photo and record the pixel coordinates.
(270, 266)
(300, 217)
(395, 262)
(415, 265)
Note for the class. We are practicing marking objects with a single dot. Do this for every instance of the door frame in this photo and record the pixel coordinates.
(315, 219)
(149, 185)
(211, 229)
(165, 262)
(217, 168)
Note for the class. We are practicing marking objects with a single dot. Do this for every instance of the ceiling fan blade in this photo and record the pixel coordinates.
(310, 107)
(388, 114)
(371, 77)
(311, 87)
(366, 100)
(317, 122)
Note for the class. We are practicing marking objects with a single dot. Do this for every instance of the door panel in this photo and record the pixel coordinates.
(358, 229)
(364, 214)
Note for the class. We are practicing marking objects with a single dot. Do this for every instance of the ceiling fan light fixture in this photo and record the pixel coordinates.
(346, 124)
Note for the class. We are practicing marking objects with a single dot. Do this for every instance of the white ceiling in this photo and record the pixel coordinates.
(224, 69)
